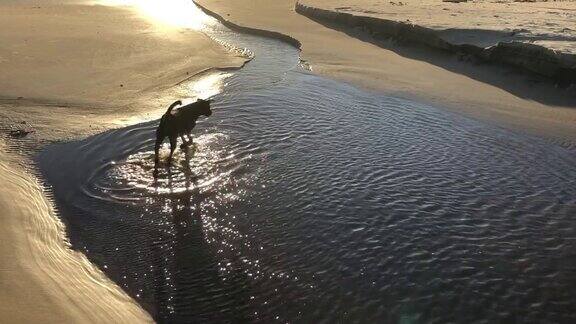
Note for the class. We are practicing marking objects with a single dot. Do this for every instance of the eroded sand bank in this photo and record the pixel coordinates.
(507, 48)
(479, 22)
(486, 93)
(41, 279)
(71, 69)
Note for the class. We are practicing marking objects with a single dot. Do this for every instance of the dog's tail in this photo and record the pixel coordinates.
(174, 104)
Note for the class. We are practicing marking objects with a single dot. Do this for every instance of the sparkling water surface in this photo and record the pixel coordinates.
(309, 200)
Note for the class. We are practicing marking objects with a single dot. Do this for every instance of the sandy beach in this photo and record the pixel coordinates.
(480, 22)
(71, 69)
(488, 94)
(42, 279)
(74, 70)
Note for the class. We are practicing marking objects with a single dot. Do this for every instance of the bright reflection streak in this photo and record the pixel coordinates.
(204, 86)
(208, 86)
(175, 13)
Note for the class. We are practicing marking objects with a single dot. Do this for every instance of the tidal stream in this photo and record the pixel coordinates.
(307, 200)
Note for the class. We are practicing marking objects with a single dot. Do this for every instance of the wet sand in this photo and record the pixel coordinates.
(488, 94)
(96, 54)
(41, 279)
(71, 69)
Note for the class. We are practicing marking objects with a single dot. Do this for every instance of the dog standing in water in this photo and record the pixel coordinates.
(178, 123)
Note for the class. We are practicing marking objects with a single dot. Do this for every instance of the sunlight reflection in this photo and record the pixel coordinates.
(198, 168)
(203, 86)
(208, 86)
(175, 13)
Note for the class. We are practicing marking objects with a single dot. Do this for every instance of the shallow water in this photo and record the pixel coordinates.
(308, 200)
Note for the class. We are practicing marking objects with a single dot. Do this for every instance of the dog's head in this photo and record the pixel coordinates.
(204, 106)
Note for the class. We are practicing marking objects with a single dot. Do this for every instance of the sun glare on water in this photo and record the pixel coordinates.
(175, 13)
(208, 86)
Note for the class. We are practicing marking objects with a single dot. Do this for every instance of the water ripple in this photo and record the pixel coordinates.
(309, 200)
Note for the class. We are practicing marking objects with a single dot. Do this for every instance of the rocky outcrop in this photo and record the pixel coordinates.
(559, 67)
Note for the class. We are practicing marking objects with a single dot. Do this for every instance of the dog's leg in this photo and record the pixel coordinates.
(191, 143)
(159, 141)
(184, 142)
(173, 144)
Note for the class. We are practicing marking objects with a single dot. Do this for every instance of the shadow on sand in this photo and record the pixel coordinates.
(521, 84)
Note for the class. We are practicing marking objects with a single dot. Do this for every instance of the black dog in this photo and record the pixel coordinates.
(179, 123)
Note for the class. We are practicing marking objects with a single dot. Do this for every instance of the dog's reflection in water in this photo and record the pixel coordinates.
(195, 282)
(189, 198)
